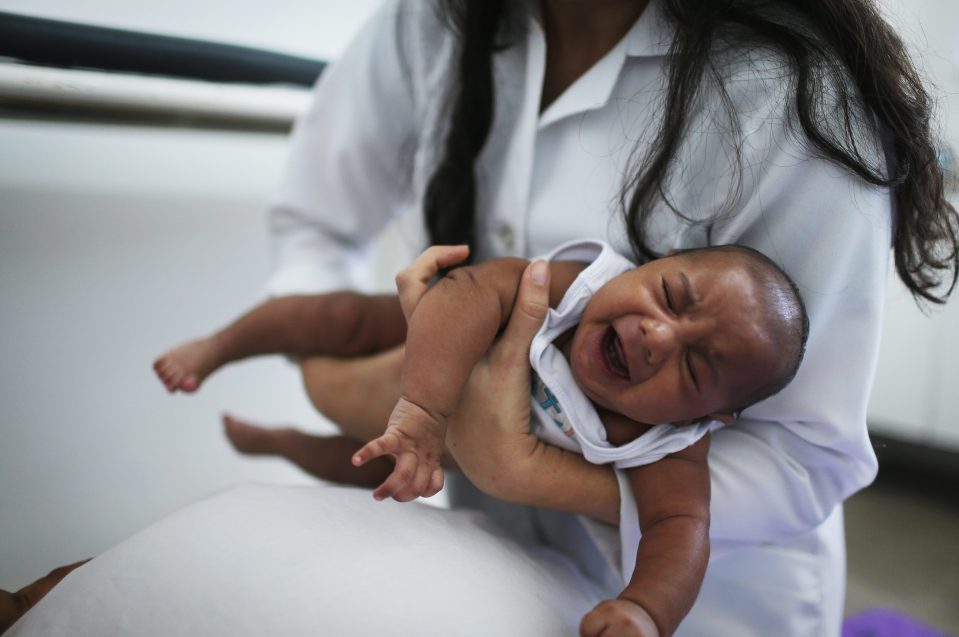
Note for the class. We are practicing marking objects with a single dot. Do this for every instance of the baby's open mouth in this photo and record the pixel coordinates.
(613, 353)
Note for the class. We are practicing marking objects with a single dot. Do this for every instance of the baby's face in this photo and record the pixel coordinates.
(674, 341)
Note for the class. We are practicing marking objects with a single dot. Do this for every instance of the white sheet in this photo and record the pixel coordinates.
(323, 560)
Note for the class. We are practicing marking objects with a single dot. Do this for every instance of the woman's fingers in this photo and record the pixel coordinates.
(529, 312)
(413, 280)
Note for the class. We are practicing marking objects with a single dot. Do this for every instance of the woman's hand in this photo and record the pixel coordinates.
(492, 456)
(489, 435)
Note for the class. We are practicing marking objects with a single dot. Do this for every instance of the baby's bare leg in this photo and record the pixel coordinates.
(357, 394)
(325, 457)
(185, 366)
(336, 324)
(267, 328)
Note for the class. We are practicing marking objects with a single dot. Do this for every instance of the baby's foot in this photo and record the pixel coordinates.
(184, 367)
(254, 440)
(325, 457)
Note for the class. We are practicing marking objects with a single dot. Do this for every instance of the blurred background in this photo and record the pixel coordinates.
(132, 216)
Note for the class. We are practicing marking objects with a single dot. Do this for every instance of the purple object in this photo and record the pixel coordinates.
(881, 622)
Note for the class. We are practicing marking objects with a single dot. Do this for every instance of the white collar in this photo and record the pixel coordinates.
(650, 36)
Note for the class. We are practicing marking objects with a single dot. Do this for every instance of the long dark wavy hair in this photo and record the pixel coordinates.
(842, 48)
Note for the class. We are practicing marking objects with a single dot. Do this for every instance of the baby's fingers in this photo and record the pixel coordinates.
(402, 474)
(418, 486)
(436, 483)
(618, 618)
(382, 446)
(594, 624)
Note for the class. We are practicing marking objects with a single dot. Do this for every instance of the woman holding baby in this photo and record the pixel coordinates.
(655, 126)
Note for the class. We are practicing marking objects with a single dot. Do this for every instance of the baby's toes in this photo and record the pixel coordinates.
(164, 372)
(188, 383)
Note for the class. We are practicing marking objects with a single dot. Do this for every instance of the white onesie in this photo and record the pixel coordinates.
(563, 415)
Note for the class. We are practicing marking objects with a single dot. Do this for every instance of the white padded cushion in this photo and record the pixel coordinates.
(324, 560)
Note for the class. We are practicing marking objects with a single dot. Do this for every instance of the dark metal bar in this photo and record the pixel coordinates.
(73, 45)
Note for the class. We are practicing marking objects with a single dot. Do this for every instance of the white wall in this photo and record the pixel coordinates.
(102, 267)
(117, 242)
(915, 395)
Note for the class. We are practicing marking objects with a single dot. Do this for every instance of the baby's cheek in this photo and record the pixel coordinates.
(657, 401)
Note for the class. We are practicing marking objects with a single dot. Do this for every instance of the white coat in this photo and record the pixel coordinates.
(364, 151)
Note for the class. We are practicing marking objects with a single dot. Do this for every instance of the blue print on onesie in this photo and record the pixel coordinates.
(549, 403)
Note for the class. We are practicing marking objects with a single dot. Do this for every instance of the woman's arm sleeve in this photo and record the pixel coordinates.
(350, 160)
(789, 460)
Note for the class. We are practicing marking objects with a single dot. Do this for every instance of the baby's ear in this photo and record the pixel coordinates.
(725, 418)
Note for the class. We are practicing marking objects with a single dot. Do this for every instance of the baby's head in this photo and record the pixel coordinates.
(699, 334)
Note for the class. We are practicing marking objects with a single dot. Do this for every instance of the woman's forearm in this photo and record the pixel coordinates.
(505, 461)
(560, 480)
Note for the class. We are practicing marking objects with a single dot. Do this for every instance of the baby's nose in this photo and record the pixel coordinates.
(659, 339)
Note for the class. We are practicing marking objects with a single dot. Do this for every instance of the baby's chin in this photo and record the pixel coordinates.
(639, 415)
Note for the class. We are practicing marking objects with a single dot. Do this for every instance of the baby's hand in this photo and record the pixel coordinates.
(618, 618)
(415, 438)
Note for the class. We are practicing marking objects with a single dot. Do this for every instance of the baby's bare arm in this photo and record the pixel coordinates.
(453, 327)
(672, 497)
(450, 330)
(455, 324)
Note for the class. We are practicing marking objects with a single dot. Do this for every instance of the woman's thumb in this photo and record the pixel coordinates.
(529, 311)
